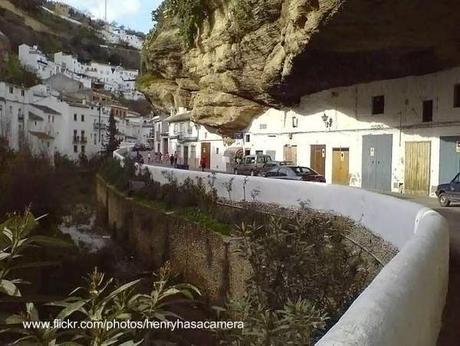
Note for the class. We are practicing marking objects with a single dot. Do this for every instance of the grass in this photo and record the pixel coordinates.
(198, 216)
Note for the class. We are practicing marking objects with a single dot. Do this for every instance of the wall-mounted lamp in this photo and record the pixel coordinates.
(327, 121)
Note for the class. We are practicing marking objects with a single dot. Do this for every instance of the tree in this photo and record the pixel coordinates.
(112, 141)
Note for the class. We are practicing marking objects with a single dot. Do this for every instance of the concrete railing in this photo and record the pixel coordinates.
(404, 303)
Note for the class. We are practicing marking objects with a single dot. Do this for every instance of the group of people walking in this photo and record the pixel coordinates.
(159, 157)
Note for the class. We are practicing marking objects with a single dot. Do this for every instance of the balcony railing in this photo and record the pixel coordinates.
(98, 126)
(80, 140)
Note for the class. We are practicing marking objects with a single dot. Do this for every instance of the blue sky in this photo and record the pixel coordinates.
(135, 14)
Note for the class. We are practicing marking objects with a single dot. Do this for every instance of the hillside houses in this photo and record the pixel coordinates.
(112, 78)
(49, 122)
(390, 135)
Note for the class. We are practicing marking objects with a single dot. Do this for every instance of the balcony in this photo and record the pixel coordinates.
(80, 140)
(98, 126)
(183, 137)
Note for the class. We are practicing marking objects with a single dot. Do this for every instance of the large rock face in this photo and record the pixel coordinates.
(253, 54)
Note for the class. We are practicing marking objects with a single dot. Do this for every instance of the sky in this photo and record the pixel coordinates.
(134, 14)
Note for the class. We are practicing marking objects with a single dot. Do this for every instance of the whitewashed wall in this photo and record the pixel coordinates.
(403, 305)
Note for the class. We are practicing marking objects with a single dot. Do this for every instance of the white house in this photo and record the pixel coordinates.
(37, 117)
(191, 142)
(35, 61)
(391, 135)
(114, 78)
(399, 135)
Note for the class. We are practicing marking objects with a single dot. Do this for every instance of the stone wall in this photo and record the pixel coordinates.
(203, 257)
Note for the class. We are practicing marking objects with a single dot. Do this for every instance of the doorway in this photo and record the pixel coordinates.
(417, 168)
(376, 163)
(290, 153)
(318, 159)
(206, 154)
(340, 166)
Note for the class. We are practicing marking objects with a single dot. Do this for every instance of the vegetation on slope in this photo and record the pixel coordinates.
(13, 72)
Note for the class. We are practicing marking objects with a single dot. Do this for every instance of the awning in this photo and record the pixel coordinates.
(179, 117)
(41, 135)
(233, 152)
(35, 117)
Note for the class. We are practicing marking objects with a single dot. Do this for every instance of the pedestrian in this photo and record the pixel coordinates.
(203, 163)
(149, 157)
(171, 159)
(160, 156)
(175, 159)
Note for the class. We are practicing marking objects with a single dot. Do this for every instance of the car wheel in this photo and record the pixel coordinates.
(443, 200)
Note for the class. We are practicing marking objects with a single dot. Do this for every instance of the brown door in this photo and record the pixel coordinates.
(318, 158)
(290, 153)
(417, 168)
(340, 168)
(206, 153)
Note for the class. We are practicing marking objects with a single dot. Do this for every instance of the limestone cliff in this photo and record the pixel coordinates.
(251, 54)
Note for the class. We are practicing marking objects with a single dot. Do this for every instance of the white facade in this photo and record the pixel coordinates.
(114, 78)
(135, 129)
(41, 120)
(414, 110)
(116, 35)
(191, 141)
(35, 61)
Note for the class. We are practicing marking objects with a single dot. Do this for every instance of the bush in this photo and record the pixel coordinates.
(14, 73)
(302, 267)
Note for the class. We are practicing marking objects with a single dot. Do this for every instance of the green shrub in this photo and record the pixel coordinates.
(300, 267)
(14, 73)
(189, 15)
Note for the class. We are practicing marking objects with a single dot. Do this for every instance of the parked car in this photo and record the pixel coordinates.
(449, 192)
(142, 147)
(254, 165)
(295, 173)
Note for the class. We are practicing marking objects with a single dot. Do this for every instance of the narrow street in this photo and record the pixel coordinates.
(450, 331)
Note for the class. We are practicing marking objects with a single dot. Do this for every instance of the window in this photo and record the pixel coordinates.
(295, 122)
(283, 172)
(263, 126)
(75, 117)
(217, 151)
(11, 90)
(22, 92)
(427, 111)
(82, 117)
(378, 104)
(75, 149)
(457, 95)
(248, 138)
(83, 149)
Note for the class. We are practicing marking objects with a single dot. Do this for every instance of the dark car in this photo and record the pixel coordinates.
(295, 173)
(450, 192)
(254, 165)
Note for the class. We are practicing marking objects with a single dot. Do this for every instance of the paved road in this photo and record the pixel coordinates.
(450, 331)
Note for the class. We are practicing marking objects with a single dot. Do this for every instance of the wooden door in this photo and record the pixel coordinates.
(340, 166)
(318, 158)
(290, 153)
(206, 153)
(417, 168)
